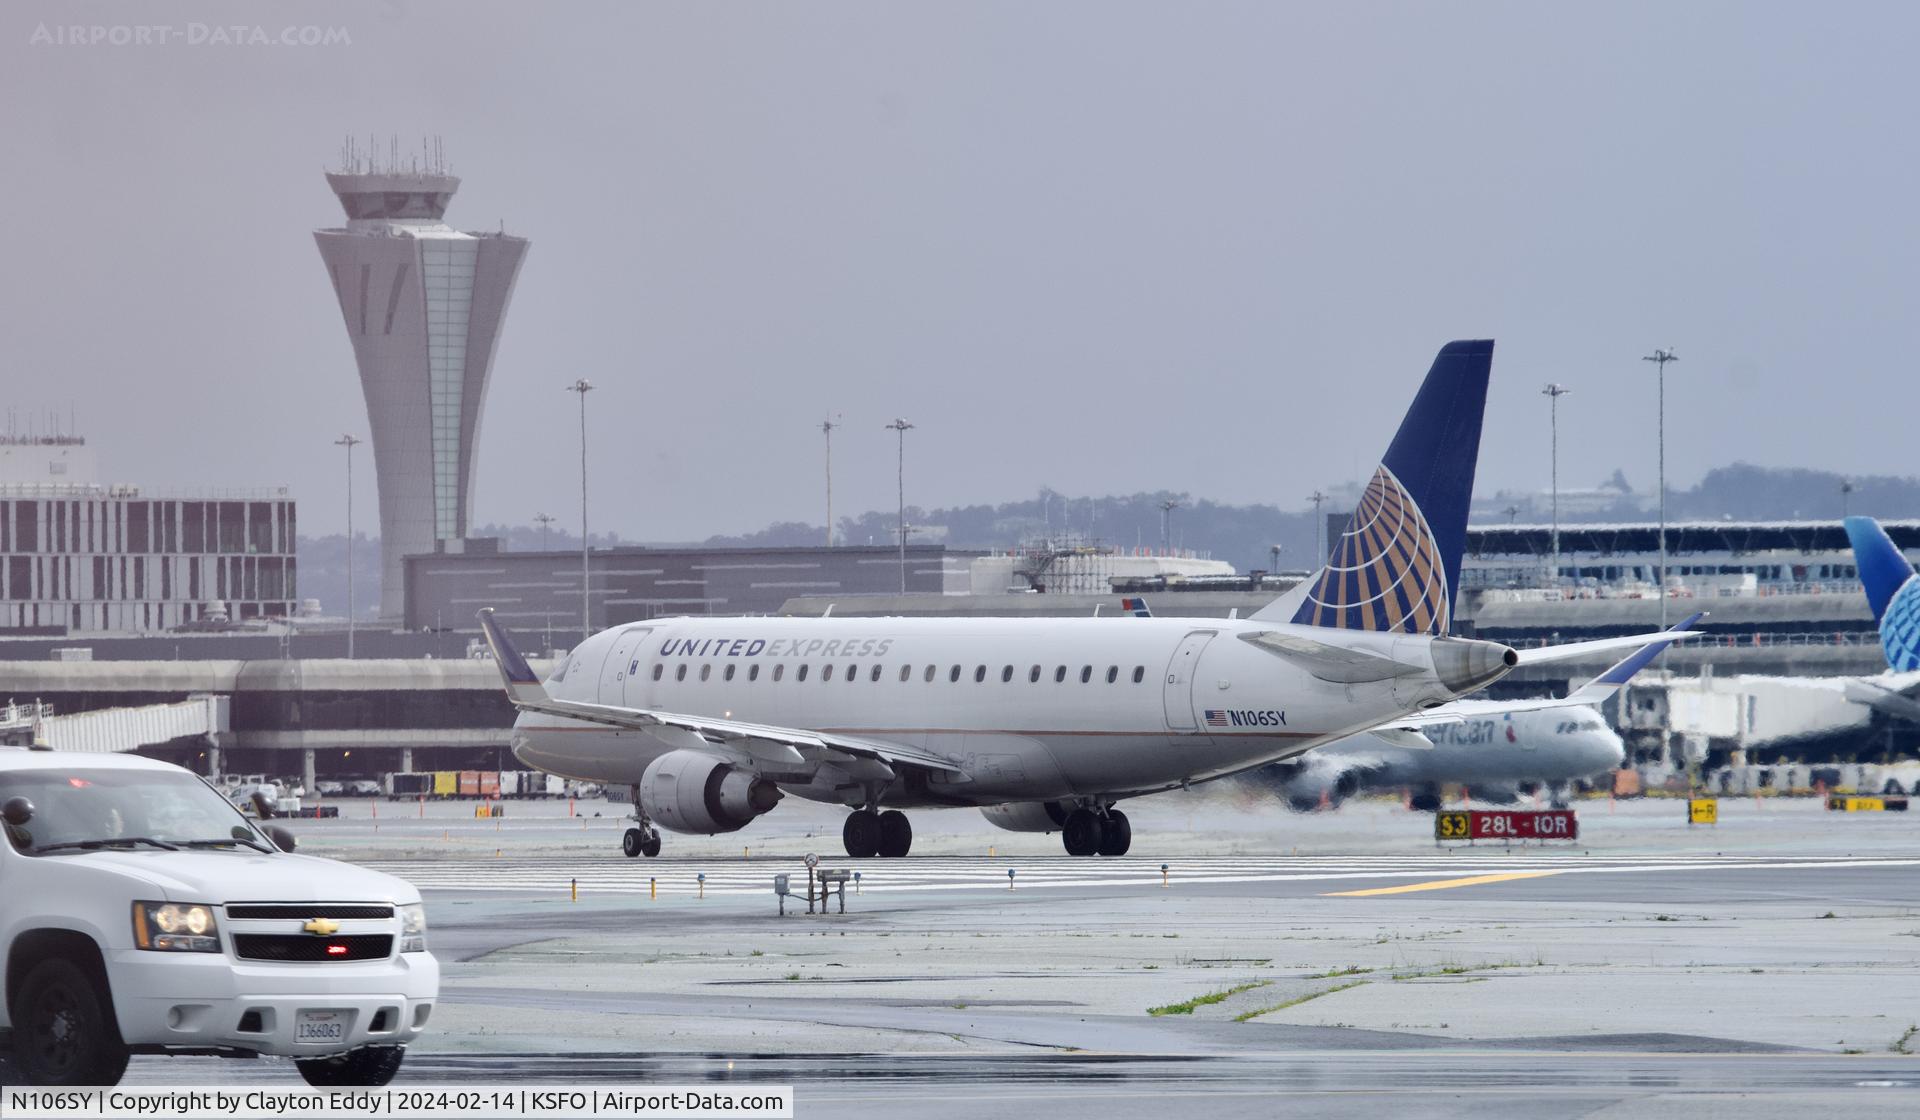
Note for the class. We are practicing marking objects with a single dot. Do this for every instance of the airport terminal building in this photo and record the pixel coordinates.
(539, 592)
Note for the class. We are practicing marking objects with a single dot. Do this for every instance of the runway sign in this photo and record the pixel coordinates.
(1703, 810)
(1505, 824)
(1867, 804)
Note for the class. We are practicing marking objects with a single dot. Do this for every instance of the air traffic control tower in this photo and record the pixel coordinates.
(423, 305)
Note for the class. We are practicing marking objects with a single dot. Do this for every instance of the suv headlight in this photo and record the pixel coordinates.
(413, 928)
(175, 927)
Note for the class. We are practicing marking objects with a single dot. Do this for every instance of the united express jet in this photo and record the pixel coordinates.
(1043, 724)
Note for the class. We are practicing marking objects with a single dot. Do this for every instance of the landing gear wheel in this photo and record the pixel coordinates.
(1117, 835)
(638, 842)
(1081, 834)
(369, 1065)
(861, 834)
(896, 834)
(63, 1028)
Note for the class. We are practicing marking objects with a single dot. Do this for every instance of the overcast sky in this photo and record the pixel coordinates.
(1103, 247)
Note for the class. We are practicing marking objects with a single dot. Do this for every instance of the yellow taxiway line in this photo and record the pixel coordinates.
(1443, 884)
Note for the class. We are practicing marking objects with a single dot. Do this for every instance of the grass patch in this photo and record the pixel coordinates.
(1297, 1001)
(1350, 970)
(1186, 1007)
(1899, 1045)
(791, 976)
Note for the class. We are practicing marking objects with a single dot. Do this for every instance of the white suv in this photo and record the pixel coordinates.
(141, 913)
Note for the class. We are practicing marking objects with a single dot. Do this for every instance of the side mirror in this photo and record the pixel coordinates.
(17, 811)
(262, 806)
(282, 839)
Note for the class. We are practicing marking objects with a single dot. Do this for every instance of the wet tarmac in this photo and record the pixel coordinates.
(1769, 970)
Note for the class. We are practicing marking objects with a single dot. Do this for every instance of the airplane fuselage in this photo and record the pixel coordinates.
(1552, 746)
(1026, 709)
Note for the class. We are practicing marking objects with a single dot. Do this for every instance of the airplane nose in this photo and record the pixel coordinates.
(1613, 749)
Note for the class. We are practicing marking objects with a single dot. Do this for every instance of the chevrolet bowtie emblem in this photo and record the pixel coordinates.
(322, 927)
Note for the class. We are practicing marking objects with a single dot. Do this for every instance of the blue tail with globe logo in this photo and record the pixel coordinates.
(1892, 592)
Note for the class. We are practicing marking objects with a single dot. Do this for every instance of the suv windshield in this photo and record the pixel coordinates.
(145, 808)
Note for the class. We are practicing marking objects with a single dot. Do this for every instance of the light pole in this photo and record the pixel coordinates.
(1661, 358)
(543, 520)
(901, 427)
(1554, 391)
(348, 442)
(826, 428)
(1166, 524)
(1319, 554)
(583, 387)
(1846, 491)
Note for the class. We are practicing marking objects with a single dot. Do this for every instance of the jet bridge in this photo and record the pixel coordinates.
(117, 730)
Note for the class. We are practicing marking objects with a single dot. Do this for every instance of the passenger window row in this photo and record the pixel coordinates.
(852, 673)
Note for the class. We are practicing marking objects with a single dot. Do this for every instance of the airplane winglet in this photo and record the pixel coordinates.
(518, 676)
(1609, 682)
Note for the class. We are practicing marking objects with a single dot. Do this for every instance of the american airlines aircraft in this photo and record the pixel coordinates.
(1042, 724)
(1493, 751)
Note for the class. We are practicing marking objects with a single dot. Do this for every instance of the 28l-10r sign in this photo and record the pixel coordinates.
(1506, 824)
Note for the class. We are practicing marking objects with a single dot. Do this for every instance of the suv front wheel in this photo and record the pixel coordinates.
(63, 1028)
(369, 1065)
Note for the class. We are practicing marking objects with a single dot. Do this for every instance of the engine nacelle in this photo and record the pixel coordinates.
(686, 791)
(1027, 816)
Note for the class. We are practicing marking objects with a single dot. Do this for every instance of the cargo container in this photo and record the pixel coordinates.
(530, 783)
(469, 783)
(407, 785)
(446, 783)
(489, 783)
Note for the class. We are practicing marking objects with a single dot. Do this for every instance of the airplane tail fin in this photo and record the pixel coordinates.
(1397, 564)
(515, 674)
(1136, 607)
(1891, 591)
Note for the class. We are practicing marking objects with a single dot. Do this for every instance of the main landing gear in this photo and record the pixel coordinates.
(869, 833)
(1088, 831)
(643, 839)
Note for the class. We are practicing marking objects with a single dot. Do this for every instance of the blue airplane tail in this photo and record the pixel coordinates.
(1397, 564)
(1892, 593)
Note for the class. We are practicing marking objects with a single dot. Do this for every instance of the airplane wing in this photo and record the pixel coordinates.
(762, 746)
(1572, 650)
(1593, 692)
(1900, 702)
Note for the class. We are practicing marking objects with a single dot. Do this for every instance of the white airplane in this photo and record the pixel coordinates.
(1043, 724)
(1491, 750)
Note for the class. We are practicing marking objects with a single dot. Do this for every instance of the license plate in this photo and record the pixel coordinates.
(320, 1026)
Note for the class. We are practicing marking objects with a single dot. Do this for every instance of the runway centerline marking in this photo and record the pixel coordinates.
(1443, 884)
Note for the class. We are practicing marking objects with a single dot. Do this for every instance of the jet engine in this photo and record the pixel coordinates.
(1027, 816)
(1315, 782)
(687, 791)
